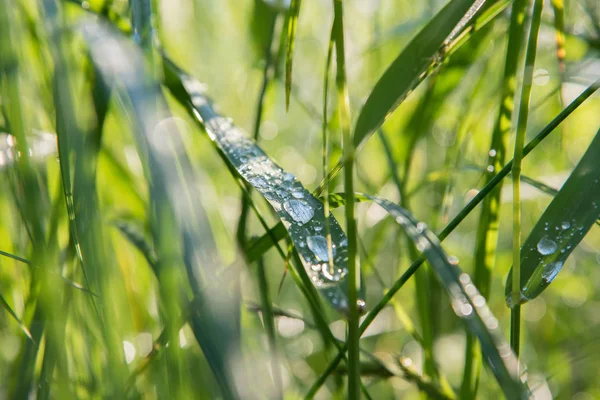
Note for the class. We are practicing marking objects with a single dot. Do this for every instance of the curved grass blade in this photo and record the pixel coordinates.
(467, 303)
(292, 24)
(175, 194)
(560, 229)
(16, 318)
(301, 213)
(421, 55)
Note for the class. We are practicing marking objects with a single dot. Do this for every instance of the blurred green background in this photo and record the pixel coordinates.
(221, 43)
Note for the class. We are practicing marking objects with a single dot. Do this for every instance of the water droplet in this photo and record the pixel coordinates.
(551, 270)
(565, 225)
(422, 244)
(299, 211)
(490, 168)
(333, 273)
(315, 267)
(361, 305)
(492, 153)
(298, 194)
(453, 260)
(318, 245)
(421, 226)
(546, 246)
(344, 242)
(288, 176)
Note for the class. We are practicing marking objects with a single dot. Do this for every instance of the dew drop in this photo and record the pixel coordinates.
(565, 225)
(299, 211)
(546, 246)
(453, 260)
(318, 245)
(551, 270)
(492, 153)
(333, 273)
(490, 168)
(298, 194)
(421, 226)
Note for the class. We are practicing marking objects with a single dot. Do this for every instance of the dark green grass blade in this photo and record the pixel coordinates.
(301, 213)
(174, 190)
(561, 228)
(467, 303)
(292, 25)
(139, 241)
(408, 69)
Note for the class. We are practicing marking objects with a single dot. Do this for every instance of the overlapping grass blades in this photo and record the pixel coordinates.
(561, 227)
(301, 213)
(467, 303)
(176, 199)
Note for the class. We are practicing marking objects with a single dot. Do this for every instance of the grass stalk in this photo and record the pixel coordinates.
(487, 229)
(348, 154)
(525, 96)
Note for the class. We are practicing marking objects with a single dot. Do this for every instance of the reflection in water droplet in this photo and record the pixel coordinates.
(546, 246)
(453, 260)
(565, 225)
(334, 274)
(299, 211)
(318, 245)
(551, 270)
(361, 306)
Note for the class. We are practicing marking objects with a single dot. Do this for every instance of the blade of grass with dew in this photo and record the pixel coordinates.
(301, 214)
(525, 98)
(399, 283)
(268, 21)
(487, 229)
(408, 70)
(292, 16)
(354, 282)
(175, 192)
(467, 303)
(560, 229)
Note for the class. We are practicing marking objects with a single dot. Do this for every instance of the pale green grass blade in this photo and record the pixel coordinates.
(301, 213)
(293, 14)
(561, 227)
(175, 191)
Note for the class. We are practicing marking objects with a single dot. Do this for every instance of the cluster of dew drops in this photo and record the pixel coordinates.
(289, 199)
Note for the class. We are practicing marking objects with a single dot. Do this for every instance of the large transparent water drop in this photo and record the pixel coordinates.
(546, 246)
(551, 270)
(318, 245)
(298, 210)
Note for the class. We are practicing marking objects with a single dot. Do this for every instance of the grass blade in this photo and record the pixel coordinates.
(467, 303)
(175, 193)
(487, 229)
(408, 69)
(301, 213)
(560, 229)
(525, 97)
(292, 25)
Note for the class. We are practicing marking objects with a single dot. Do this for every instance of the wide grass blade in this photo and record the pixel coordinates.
(175, 193)
(301, 213)
(408, 69)
(467, 303)
(561, 228)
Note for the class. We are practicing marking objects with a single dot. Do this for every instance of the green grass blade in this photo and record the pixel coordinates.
(467, 303)
(559, 25)
(175, 193)
(139, 241)
(292, 25)
(487, 229)
(301, 213)
(560, 229)
(16, 318)
(407, 70)
(523, 116)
